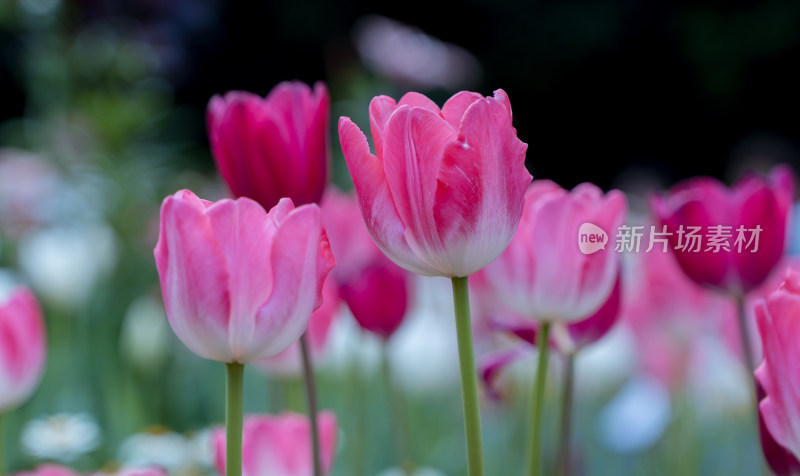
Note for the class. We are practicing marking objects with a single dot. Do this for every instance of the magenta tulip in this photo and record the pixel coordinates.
(281, 445)
(778, 320)
(376, 290)
(274, 147)
(22, 347)
(443, 193)
(542, 275)
(240, 284)
(754, 218)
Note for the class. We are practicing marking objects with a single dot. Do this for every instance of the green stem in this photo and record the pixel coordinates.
(2, 453)
(469, 378)
(311, 394)
(395, 396)
(566, 415)
(537, 400)
(233, 420)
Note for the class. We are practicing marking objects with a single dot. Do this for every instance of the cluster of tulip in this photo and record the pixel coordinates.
(445, 193)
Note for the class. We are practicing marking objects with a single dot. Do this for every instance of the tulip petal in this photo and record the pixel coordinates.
(455, 107)
(374, 198)
(294, 260)
(380, 109)
(413, 142)
(779, 327)
(244, 234)
(481, 187)
(194, 278)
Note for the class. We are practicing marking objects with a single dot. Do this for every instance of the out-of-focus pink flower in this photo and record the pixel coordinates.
(289, 362)
(28, 187)
(754, 207)
(49, 470)
(443, 193)
(376, 290)
(281, 445)
(274, 147)
(22, 347)
(240, 284)
(577, 334)
(543, 275)
(778, 320)
(668, 314)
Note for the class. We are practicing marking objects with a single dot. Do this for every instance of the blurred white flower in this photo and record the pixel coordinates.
(717, 380)
(351, 347)
(410, 57)
(64, 264)
(63, 437)
(605, 364)
(636, 418)
(145, 335)
(201, 446)
(169, 450)
(424, 351)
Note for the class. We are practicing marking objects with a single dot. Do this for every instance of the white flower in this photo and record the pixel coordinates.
(636, 417)
(169, 450)
(63, 437)
(64, 264)
(144, 339)
(424, 351)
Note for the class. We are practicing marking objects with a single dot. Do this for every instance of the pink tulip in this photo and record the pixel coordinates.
(778, 320)
(281, 445)
(443, 193)
(49, 470)
(288, 363)
(543, 275)
(578, 335)
(268, 149)
(376, 290)
(755, 202)
(780, 460)
(240, 284)
(22, 347)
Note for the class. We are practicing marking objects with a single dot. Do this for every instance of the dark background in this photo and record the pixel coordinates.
(599, 88)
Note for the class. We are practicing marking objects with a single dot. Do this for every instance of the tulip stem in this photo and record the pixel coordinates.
(233, 420)
(311, 394)
(2, 442)
(469, 378)
(566, 415)
(537, 400)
